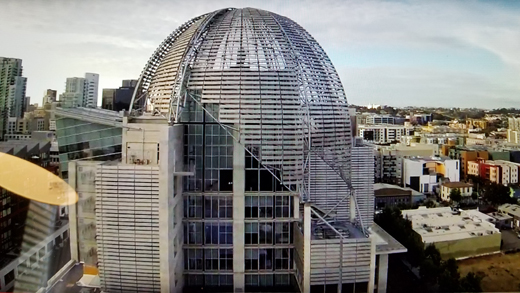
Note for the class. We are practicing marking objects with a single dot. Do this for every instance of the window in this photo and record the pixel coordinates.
(211, 259)
(251, 205)
(283, 233)
(218, 207)
(218, 233)
(266, 233)
(283, 207)
(283, 258)
(193, 233)
(259, 259)
(193, 206)
(251, 233)
(193, 259)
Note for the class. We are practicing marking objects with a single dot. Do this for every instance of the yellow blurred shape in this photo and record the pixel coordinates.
(90, 270)
(34, 182)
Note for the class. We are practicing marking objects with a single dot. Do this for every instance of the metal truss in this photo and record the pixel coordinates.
(267, 75)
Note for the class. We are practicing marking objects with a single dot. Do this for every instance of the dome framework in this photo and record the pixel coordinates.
(265, 80)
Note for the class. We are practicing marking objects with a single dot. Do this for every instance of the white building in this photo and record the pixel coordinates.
(424, 174)
(92, 90)
(457, 234)
(81, 91)
(383, 133)
(389, 159)
(465, 189)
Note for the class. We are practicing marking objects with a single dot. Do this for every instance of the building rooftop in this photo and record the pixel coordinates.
(512, 209)
(430, 159)
(379, 186)
(456, 184)
(443, 224)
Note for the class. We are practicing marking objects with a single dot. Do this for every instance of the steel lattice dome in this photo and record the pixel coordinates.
(261, 74)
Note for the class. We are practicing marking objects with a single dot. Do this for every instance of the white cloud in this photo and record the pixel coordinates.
(60, 38)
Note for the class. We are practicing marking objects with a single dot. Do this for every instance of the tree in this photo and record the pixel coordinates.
(474, 195)
(449, 278)
(455, 195)
(471, 283)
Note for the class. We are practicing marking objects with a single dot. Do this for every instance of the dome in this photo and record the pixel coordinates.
(261, 76)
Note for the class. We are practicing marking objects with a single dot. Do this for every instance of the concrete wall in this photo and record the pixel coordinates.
(470, 246)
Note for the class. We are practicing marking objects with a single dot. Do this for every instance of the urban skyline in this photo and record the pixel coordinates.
(454, 53)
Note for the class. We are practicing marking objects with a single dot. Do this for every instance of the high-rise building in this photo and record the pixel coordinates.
(238, 171)
(75, 92)
(49, 96)
(119, 99)
(12, 91)
(92, 89)
(107, 100)
(81, 91)
(129, 82)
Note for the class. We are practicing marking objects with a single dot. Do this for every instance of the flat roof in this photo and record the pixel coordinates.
(378, 186)
(385, 243)
(456, 184)
(442, 224)
(512, 209)
(430, 159)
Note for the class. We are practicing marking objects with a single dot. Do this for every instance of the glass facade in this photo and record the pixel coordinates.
(80, 139)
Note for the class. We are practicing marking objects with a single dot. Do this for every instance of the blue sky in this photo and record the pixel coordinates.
(399, 53)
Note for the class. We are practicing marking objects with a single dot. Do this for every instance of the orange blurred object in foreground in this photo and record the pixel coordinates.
(34, 182)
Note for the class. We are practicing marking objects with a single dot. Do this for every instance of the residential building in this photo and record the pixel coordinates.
(465, 189)
(389, 159)
(513, 130)
(75, 92)
(81, 91)
(388, 195)
(499, 171)
(383, 133)
(512, 210)
(224, 200)
(12, 91)
(457, 234)
(467, 155)
(424, 174)
(91, 90)
(476, 123)
(49, 96)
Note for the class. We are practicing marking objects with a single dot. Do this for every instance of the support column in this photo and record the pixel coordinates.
(238, 215)
(372, 278)
(383, 273)
(307, 247)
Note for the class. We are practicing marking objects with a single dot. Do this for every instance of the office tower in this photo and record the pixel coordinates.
(119, 99)
(49, 96)
(91, 91)
(129, 82)
(238, 169)
(12, 91)
(107, 101)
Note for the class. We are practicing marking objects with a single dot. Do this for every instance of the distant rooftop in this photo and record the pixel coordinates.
(512, 209)
(456, 184)
(379, 186)
(442, 224)
(430, 159)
